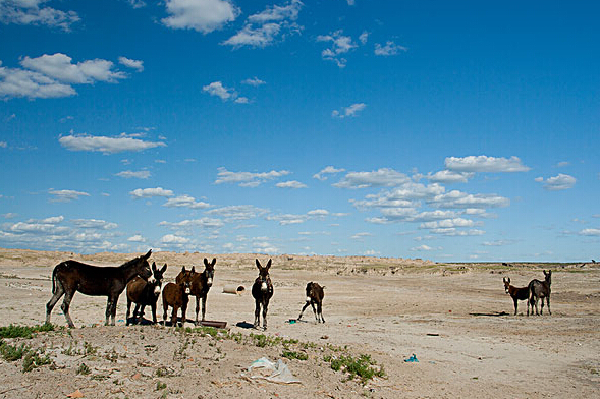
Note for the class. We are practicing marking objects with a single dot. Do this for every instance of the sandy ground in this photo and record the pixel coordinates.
(387, 308)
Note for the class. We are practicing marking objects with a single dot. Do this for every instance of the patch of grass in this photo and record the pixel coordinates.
(362, 367)
(83, 369)
(164, 371)
(262, 340)
(32, 360)
(294, 355)
(24, 331)
(13, 352)
(90, 349)
(160, 386)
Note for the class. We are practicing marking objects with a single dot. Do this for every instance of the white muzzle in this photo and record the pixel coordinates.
(187, 291)
(308, 299)
(157, 290)
(209, 282)
(263, 286)
(151, 280)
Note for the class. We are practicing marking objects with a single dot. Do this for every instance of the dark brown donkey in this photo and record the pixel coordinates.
(517, 294)
(262, 291)
(314, 295)
(540, 289)
(176, 296)
(200, 284)
(144, 292)
(71, 276)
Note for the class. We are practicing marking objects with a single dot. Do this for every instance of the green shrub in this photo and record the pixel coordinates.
(83, 369)
(294, 355)
(24, 331)
(12, 352)
(363, 367)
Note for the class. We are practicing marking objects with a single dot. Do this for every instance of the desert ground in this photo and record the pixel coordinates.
(451, 316)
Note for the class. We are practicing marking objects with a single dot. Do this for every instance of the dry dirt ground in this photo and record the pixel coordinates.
(386, 308)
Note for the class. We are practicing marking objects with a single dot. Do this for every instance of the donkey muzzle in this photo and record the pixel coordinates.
(187, 291)
(308, 299)
(151, 280)
(157, 290)
(263, 286)
(209, 282)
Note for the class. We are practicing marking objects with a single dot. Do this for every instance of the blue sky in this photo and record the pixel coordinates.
(463, 131)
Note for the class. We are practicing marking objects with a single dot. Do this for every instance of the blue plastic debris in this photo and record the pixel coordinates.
(413, 358)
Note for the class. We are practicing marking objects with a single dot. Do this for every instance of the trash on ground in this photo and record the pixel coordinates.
(233, 289)
(413, 358)
(433, 334)
(280, 371)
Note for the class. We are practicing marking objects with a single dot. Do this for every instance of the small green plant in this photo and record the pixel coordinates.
(83, 369)
(32, 360)
(12, 352)
(160, 386)
(262, 340)
(163, 371)
(294, 355)
(90, 349)
(363, 367)
(24, 331)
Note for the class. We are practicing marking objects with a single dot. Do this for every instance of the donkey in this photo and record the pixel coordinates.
(71, 276)
(314, 295)
(540, 289)
(262, 291)
(517, 294)
(142, 293)
(176, 296)
(200, 284)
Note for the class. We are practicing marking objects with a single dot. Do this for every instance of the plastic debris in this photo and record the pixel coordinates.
(413, 358)
(280, 371)
(76, 394)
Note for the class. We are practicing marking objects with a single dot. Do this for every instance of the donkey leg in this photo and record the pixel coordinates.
(153, 305)
(542, 310)
(315, 311)
(204, 298)
(183, 309)
(548, 302)
(264, 312)
(198, 309)
(257, 314)
(113, 311)
(50, 305)
(127, 312)
(320, 310)
(515, 303)
(165, 308)
(174, 317)
(65, 308)
(302, 312)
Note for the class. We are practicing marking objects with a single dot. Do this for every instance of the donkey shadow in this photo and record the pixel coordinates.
(245, 325)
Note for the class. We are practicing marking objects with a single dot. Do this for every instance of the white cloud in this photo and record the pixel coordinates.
(497, 243)
(140, 174)
(207, 223)
(484, 163)
(16, 82)
(185, 201)
(173, 239)
(449, 223)
(364, 37)
(456, 199)
(26, 12)
(217, 89)
(326, 171)
(383, 177)
(242, 100)
(390, 48)
(263, 28)
(287, 219)
(448, 176)
(423, 247)
(318, 213)
(558, 182)
(37, 228)
(106, 144)
(237, 212)
(94, 224)
(9, 215)
(590, 232)
(247, 179)
(136, 238)
(291, 184)
(339, 45)
(66, 195)
(135, 64)
(137, 3)
(3, 144)
(203, 16)
(360, 236)
(352, 110)
(254, 81)
(59, 66)
(150, 192)
(452, 231)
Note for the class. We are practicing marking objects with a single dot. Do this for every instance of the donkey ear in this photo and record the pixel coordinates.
(214, 262)
(205, 262)
(258, 264)
(154, 267)
(145, 257)
(504, 279)
(182, 269)
(193, 269)
(508, 280)
(164, 268)
(269, 264)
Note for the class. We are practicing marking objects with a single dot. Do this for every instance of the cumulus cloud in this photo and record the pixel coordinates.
(150, 192)
(140, 174)
(558, 182)
(254, 81)
(218, 90)
(389, 48)
(137, 3)
(204, 16)
(456, 199)
(287, 219)
(136, 238)
(3, 144)
(237, 213)
(364, 37)
(352, 110)
(423, 247)
(66, 195)
(383, 177)
(16, 82)
(328, 170)
(25, 12)
(339, 44)
(264, 28)
(186, 224)
(106, 144)
(449, 223)
(247, 179)
(94, 224)
(484, 163)
(291, 184)
(590, 232)
(448, 176)
(134, 64)
(361, 236)
(185, 201)
(174, 239)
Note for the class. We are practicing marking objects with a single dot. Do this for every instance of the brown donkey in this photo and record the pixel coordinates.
(314, 295)
(200, 284)
(142, 293)
(176, 296)
(539, 289)
(71, 276)
(517, 294)
(262, 291)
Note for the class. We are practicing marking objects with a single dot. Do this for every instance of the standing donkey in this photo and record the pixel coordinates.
(71, 276)
(314, 295)
(262, 291)
(516, 294)
(142, 293)
(539, 289)
(176, 296)
(200, 284)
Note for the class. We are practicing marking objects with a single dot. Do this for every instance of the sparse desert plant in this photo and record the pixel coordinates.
(12, 352)
(13, 331)
(160, 386)
(294, 355)
(83, 369)
(363, 367)
(33, 359)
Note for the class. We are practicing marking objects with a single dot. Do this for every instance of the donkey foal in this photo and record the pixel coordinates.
(516, 294)
(314, 295)
(142, 293)
(176, 296)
